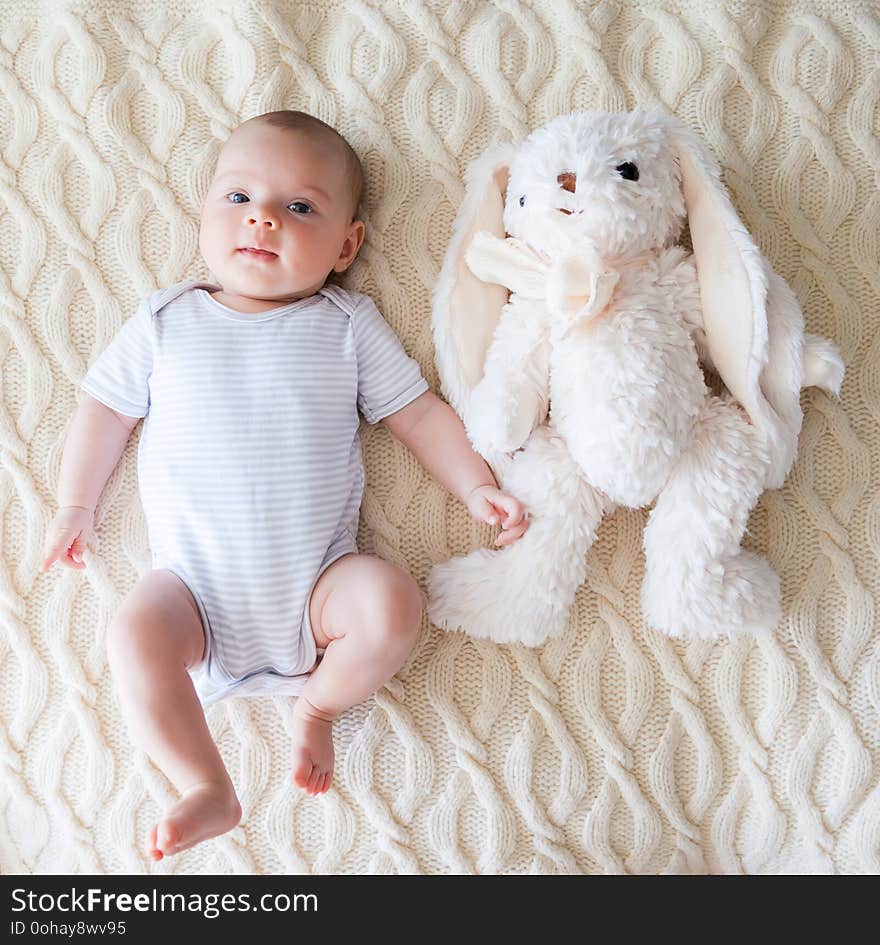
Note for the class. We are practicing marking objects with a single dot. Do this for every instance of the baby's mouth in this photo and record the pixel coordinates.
(254, 253)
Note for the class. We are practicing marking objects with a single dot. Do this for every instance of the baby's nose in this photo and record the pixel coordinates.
(266, 218)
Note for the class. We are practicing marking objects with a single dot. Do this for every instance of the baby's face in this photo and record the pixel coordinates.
(280, 191)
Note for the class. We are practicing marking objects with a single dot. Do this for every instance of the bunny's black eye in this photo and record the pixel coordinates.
(628, 170)
(522, 201)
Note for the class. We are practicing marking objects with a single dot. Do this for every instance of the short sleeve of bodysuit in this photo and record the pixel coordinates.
(119, 377)
(388, 379)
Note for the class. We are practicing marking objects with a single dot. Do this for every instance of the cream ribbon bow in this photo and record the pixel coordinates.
(578, 285)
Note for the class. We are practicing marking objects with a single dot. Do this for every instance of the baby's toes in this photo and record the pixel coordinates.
(167, 836)
(315, 778)
(302, 771)
(150, 846)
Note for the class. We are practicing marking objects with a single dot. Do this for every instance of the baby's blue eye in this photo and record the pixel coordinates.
(237, 194)
(298, 203)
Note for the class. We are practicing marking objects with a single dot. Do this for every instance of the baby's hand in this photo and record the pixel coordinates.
(69, 533)
(490, 504)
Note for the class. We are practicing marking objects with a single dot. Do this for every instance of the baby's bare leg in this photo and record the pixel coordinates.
(367, 614)
(155, 636)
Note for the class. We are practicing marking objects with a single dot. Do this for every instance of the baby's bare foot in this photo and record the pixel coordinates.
(203, 811)
(312, 748)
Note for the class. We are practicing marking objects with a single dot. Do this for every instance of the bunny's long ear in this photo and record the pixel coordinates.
(742, 330)
(465, 309)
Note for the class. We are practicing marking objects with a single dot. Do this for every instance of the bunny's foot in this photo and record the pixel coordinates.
(699, 582)
(495, 595)
(738, 595)
(523, 593)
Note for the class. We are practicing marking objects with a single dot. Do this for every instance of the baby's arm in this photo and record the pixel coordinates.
(94, 443)
(435, 435)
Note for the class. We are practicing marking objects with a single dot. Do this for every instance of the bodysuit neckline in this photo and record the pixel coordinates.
(255, 317)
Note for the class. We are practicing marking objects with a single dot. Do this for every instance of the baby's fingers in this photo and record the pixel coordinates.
(72, 559)
(50, 554)
(65, 559)
(487, 512)
(511, 535)
(513, 508)
(63, 550)
(78, 549)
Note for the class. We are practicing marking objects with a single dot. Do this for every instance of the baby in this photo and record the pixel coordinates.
(250, 473)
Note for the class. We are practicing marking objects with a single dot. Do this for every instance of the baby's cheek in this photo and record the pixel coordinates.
(208, 242)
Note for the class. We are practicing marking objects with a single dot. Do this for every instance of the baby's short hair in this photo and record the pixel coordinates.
(302, 121)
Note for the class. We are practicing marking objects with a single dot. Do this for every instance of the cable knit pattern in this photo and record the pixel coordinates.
(612, 749)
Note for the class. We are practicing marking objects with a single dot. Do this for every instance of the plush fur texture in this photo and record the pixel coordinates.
(582, 384)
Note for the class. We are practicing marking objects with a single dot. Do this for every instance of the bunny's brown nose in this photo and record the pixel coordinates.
(567, 181)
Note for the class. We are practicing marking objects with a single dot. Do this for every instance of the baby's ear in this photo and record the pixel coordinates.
(354, 239)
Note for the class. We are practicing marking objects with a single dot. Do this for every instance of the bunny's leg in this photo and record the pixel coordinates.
(523, 593)
(699, 582)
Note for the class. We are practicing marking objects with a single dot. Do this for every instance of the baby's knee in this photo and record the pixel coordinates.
(132, 638)
(394, 611)
(144, 639)
(157, 626)
(126, 638)
(411, 607)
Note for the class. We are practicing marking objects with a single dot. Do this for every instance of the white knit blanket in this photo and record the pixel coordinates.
(613, 749)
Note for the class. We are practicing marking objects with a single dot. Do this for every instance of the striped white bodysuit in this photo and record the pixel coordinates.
(249, 463)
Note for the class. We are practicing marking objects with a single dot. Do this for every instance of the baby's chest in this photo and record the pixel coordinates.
(259, 370)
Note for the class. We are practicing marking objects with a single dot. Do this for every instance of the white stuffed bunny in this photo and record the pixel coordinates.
(569, 330)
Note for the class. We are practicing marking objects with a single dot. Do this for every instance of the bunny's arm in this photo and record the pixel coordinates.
(678, 276)
(513, 395)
